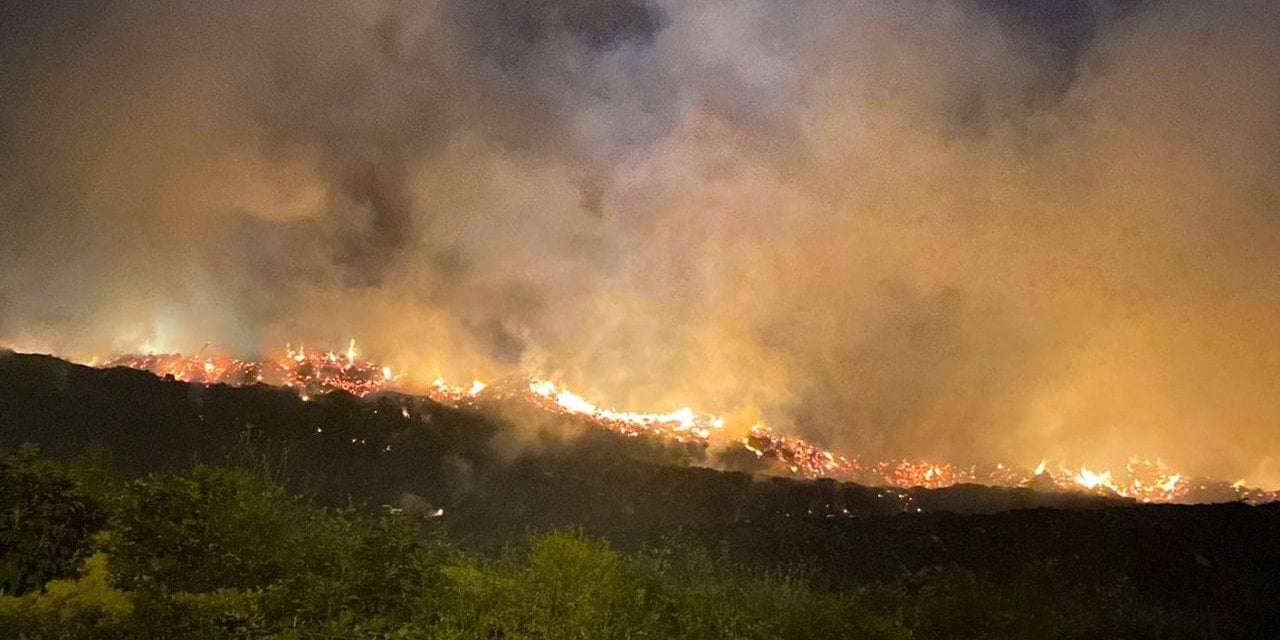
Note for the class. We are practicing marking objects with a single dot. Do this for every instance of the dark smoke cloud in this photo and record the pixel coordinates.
(966, 229)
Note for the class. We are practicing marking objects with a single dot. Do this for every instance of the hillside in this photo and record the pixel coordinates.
(490, 475)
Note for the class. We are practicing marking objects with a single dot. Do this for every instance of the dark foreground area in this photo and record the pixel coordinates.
(178, 510)
(219, 553)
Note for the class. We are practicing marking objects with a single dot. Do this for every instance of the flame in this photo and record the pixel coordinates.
(682, 422)
(1142, 479)
(1171, 482)
(308, 374)
(1090, 480)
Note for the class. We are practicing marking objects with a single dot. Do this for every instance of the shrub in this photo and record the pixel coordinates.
(47, 521)
(564, 586)
(85, 607)
(216, 553)
(200, 531)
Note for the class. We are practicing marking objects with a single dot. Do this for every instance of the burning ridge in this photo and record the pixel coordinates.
(316, 372)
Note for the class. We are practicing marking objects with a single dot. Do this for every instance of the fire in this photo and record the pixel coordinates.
(309, 374)
(316, 373)
(683, 424)
(1091, 480)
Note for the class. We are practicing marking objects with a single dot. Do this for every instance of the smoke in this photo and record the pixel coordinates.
(965, 230)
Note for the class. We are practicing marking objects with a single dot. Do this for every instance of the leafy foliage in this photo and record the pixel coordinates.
(46, 521)
(221, 553)
(84, 607)
(203, 530)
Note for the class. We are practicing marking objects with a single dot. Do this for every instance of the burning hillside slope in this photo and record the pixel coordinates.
(317, 372)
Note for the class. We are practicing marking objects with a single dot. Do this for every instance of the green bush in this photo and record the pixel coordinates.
(220, 553)
(569, 586)
(344, 563)
(47, 521)
(564, 586)
(200, 531)
(221, 613)
(84, 607)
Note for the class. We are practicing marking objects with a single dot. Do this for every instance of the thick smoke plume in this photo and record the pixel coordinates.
(970, 230)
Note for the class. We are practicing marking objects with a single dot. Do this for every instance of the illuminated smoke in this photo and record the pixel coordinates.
(327, 371)
(963, 231)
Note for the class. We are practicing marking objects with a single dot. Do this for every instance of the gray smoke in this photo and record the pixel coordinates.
(965, 229)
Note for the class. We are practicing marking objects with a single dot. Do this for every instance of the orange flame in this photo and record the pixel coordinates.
(1142, 480)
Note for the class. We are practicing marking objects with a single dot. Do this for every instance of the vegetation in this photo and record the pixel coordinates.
(48, 520)
(221, 553)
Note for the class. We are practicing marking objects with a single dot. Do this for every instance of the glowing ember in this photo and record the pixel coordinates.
(309, 374)
(924, 474)
(321, 372)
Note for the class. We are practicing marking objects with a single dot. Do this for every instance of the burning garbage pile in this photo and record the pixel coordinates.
(308, 373)
(317, 372)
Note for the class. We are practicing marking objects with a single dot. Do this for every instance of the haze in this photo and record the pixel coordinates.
(968, 230)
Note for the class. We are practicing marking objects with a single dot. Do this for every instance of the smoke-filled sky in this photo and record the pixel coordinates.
(968, 229)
